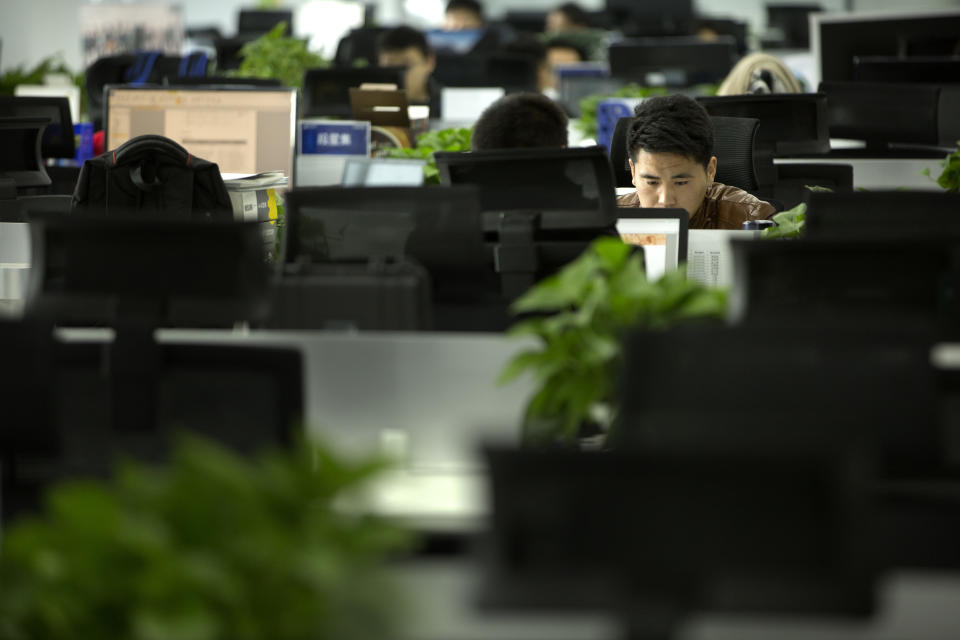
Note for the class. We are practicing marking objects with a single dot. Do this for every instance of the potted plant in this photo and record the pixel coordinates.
(212, 546)
(949, 178)
(581, 314)
(274, 55)
(430, 142)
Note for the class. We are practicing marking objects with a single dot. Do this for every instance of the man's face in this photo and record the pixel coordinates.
(419, 68)
(670, 180)
(557, 21)
(460, 19)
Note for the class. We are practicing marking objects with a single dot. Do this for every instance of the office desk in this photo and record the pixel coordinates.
(428, 400)
(881, 173)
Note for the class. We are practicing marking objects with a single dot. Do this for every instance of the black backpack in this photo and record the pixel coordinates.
(151, 176)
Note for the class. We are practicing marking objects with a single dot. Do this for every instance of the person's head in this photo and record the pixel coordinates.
(561, 52)
(567, 17)
(670, 146)
(529, 46)
(463, 14)
(407, 47)
(520, 120)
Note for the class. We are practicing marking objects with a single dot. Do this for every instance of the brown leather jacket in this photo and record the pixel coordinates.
(723, 208)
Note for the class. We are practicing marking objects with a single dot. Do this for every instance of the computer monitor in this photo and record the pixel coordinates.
(326, 92)
(57, 140)
(682, 61)
(836, 39)
(923, 70)
(571, 188)
(148, 272)
(512, 72)
(662, 233)
(382, 172)
(438, 228)
(654, 538)
(906, 282)
(790, 124)
(790, 24)
(20, 159)
(652, 17)
(255, 22)
(460, 41)
(241, 129)
(887, 114)
(890, 421)
(888, 214)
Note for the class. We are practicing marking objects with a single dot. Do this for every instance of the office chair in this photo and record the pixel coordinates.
(739, 163)
(359, 44)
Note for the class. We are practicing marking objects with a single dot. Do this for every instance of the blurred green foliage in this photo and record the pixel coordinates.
(949, 178)
(430, 142)
(212, 546)
(582, 313)
(274, 55)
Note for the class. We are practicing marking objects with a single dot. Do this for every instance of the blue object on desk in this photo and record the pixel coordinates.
(83, 135)
(608, 113)
(332, 137)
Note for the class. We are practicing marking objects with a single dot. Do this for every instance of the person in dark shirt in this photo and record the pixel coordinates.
(670, 144)
(520, 120)
(407, 47)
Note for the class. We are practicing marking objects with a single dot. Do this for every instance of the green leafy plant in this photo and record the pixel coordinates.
(583, 311)
(430, 142)
(949, 178)
(212, 546)
(587, 122)
(790, 223)
(274, 55)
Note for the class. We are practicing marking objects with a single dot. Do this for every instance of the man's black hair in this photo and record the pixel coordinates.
(574, 13)
(400, 38)
(520, 120)
(671, 124)
(465, 5)
(565, 43)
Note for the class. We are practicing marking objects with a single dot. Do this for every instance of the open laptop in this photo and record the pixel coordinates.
(662, 233)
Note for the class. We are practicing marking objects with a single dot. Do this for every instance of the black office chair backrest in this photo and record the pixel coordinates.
(734, 144)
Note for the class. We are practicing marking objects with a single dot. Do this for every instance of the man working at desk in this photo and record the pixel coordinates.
(669, 144)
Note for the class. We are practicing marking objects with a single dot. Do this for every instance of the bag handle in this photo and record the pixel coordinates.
(151, 144)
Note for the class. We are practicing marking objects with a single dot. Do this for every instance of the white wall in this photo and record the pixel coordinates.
(33, 30)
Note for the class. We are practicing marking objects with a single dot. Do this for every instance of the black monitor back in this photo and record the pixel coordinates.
(510, 71)
(572, 188)
(840, 41)
(652, 17)
(695, 60)
(885, 113)
(887, 215)
(790, 124)
(654, 537)
(902, 282)
(438, 228)
(214, 82)
(254, 22)
(20, 159)
(922, 70)
(326, 92)
(156, 271)
(791, 21)
(774, 388)
(57, 141)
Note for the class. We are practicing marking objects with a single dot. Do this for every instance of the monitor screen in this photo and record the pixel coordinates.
(836, 39)
(789, 123)
(652, 17)
(460, 41)
(921, 69)
(242, 130)
(662, 233)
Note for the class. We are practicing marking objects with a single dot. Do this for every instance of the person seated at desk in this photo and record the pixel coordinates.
(463, 15)
(571, 23)
(546, 56)
(407, 47)
(669, 144)
(520, 120)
